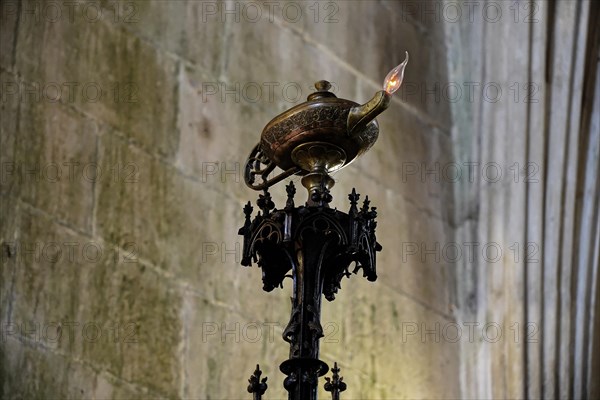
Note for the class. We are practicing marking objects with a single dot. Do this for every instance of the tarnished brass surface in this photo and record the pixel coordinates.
(312, 156)
(323, 118)
(359, 117)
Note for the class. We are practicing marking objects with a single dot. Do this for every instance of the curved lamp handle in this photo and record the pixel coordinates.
(260, 165)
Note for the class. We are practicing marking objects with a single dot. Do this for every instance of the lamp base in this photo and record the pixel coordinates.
(319, 158)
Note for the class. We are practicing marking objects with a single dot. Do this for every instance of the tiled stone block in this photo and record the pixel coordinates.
(9, 109)
(50, 262)
(105, 71)
(137, 323)
(55, 164)
(383, 345)
(9, 232)
(30, 373)
(226, 347)
(8, 24)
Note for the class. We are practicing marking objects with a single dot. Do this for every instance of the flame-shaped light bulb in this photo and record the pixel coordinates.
(394, 78)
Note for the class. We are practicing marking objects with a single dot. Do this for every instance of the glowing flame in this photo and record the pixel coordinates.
(394, 78)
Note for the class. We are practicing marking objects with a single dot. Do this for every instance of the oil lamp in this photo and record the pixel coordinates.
(312, 243)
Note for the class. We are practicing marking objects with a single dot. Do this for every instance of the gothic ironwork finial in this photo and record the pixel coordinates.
(291, 191)
(265, 203)
(257, 386)
(365, 208)
(353, 197)
(335, 385)
(248, 212)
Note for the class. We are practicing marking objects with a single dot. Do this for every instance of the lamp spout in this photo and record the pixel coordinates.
(360, 116)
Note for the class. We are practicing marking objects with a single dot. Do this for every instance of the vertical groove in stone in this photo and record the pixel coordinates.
(570, 247)
(592, 382)
(549, 209)
(517, 154)
(586, 215)
(555, 189)
(16, 36)
(535, 205)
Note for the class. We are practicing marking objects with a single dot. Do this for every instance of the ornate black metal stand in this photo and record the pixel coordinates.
(317, 245)
(313, 243)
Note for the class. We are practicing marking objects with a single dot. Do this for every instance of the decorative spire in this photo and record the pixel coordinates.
(291, 191)
(246, 231)
(365, 208)
(371, 215)
(257, 386)
(248, 212)
(265, 203)
(353, 197)
(335, 384)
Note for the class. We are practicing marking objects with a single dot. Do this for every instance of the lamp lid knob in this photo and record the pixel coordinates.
(322, 87)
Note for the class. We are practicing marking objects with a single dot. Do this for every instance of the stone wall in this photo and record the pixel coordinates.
(123, 134)
(537, 209)
(124, 127)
